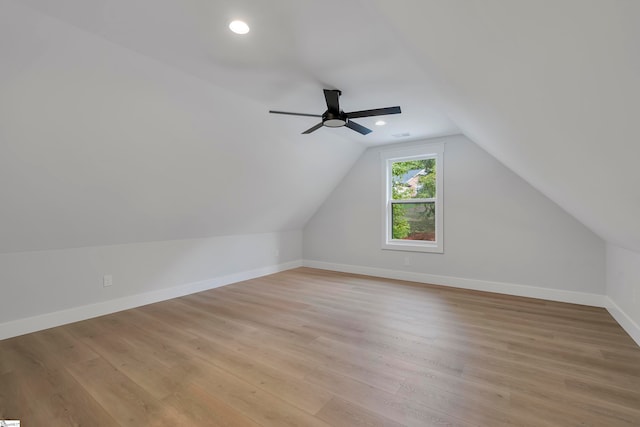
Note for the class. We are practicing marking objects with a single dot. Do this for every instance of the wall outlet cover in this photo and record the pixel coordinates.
(107, 280)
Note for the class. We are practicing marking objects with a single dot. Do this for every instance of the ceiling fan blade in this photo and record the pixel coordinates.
(313, 129)
(358, 128)
(374, 112)
(295, 114)
(331, 96)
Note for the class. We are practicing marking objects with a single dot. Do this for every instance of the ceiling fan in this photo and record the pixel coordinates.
(334, 117)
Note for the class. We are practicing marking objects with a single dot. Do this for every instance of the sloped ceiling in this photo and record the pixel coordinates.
(135, 120)
(131, 121)
(551, 88)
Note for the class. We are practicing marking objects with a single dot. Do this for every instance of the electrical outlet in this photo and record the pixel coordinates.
(407, 260)
(107, 280)
(276, 252)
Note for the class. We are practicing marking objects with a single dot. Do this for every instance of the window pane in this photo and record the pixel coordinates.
(414, 179)
(414, 221)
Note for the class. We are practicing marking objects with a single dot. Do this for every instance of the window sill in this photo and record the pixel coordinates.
(412, 246)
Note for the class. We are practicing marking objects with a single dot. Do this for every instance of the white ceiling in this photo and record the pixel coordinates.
(549, 87)
(294, 50)
(135, 120)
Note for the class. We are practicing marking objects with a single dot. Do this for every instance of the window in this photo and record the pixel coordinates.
(413, 198)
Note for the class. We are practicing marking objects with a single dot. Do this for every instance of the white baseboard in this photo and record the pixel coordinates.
(582, 298)
(50, 320)
(57, 318)
(627, 323)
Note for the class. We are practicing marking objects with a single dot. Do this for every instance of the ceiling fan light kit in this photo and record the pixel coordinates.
(334, 117)
(333, 121)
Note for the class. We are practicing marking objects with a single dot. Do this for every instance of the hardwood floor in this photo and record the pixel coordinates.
(315, 348)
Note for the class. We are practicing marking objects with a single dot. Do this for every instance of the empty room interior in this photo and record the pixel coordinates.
(319, 213)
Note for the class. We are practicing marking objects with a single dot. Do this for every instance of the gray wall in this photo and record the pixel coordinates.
(623, 285)
(37, 283)
(497, 227)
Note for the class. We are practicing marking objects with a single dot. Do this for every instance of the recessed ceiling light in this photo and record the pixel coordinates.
(381, 123)
(239, 27)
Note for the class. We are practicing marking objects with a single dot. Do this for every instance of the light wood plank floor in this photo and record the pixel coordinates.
(315, 348)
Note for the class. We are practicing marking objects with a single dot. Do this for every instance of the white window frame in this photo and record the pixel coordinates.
(418, 152)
